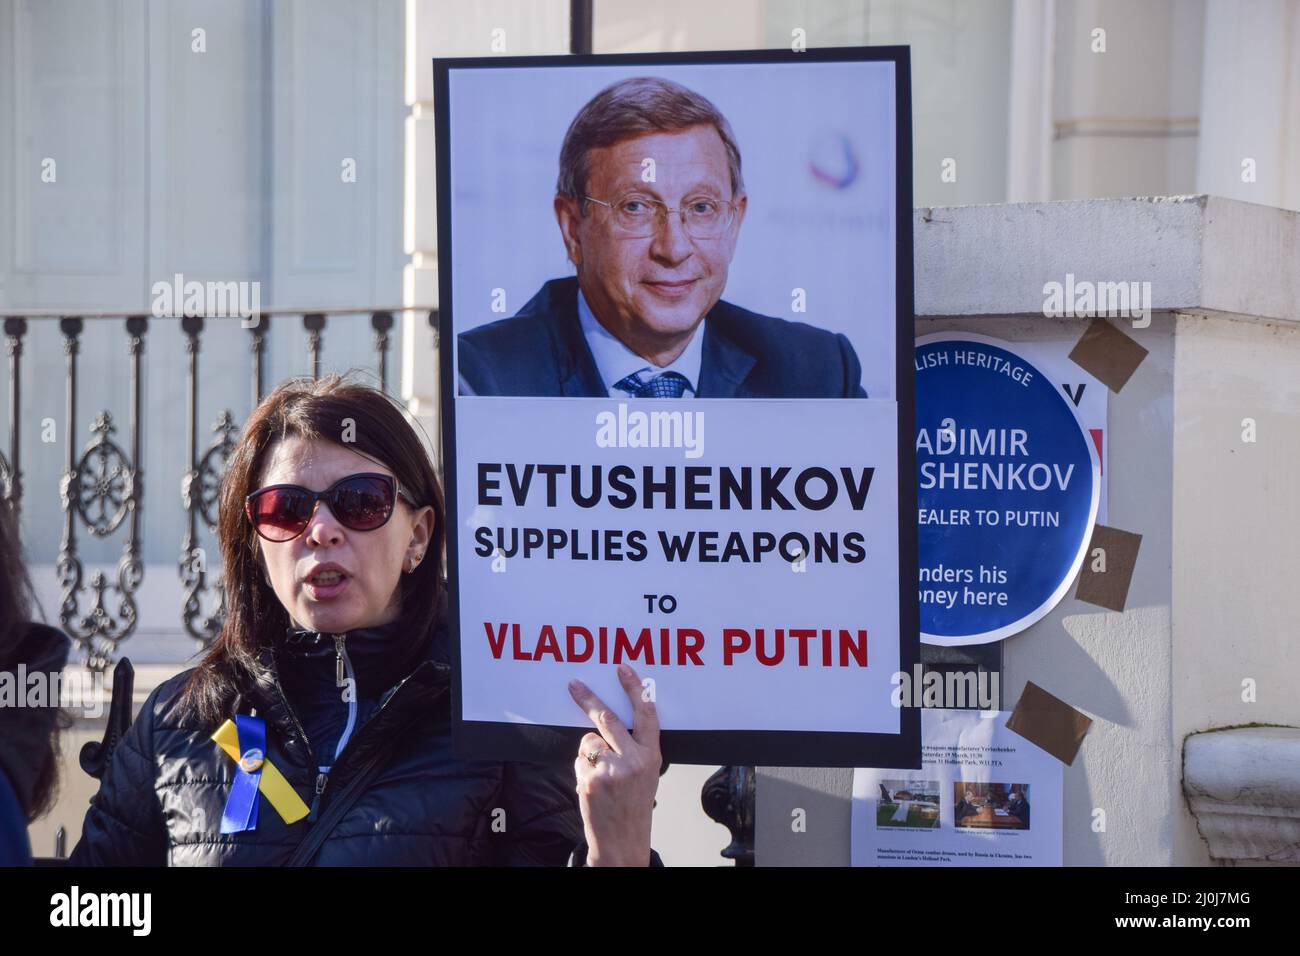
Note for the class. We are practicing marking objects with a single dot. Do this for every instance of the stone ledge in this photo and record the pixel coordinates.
(1243, 787)
(1200, 253)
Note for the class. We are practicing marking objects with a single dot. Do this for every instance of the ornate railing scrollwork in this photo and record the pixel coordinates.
(200, 489)
(199, 492)
(102, 489)
(101, 478)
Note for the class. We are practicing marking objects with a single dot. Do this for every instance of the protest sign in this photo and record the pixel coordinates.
(686, 456)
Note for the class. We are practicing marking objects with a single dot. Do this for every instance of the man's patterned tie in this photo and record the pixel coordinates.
(663, 385)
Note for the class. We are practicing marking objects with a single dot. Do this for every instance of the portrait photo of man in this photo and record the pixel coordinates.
(650, 202)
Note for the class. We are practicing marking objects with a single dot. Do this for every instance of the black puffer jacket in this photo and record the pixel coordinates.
(161, 800)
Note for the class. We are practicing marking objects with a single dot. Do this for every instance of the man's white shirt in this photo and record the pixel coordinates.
(615, 361)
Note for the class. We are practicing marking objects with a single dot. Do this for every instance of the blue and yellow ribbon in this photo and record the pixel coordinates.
(244, 741)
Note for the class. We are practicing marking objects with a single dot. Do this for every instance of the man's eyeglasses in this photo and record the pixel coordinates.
(361, 502)
(636, 217)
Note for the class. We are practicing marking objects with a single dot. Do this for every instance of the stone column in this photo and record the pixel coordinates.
(1250, 103)
(449, 28)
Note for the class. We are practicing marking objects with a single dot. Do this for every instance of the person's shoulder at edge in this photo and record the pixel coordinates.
(15, 850)
(123, 825)
(161, 712)
(42, 648)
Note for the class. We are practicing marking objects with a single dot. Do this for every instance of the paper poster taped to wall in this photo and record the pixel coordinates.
(984, 796)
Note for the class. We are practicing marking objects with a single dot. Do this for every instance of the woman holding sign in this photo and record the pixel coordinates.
(316, 729)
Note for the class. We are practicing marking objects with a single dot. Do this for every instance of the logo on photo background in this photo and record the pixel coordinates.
(833, 161)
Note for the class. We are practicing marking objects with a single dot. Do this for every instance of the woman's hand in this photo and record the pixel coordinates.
(616, 793)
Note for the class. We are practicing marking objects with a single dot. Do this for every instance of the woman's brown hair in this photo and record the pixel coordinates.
(360, 418)
(16, 592)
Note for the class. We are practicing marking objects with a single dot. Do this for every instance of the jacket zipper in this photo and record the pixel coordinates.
(322, 779)
(342, 672)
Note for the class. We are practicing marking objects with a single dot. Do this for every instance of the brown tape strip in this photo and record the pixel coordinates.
(1108, 588)
(1049, 722)
(1107, 354)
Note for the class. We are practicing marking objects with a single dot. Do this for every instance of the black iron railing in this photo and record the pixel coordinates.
(102, 487)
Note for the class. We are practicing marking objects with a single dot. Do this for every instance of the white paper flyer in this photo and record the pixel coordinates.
(985, 796)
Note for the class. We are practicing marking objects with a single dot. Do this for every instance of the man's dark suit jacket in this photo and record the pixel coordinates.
(542, 352)
(1020, 809)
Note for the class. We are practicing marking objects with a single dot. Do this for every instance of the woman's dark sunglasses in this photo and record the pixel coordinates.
(360, 502)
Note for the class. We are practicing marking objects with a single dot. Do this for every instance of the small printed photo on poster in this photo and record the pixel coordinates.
(652, 232)
(908, 803)
(991, 806)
